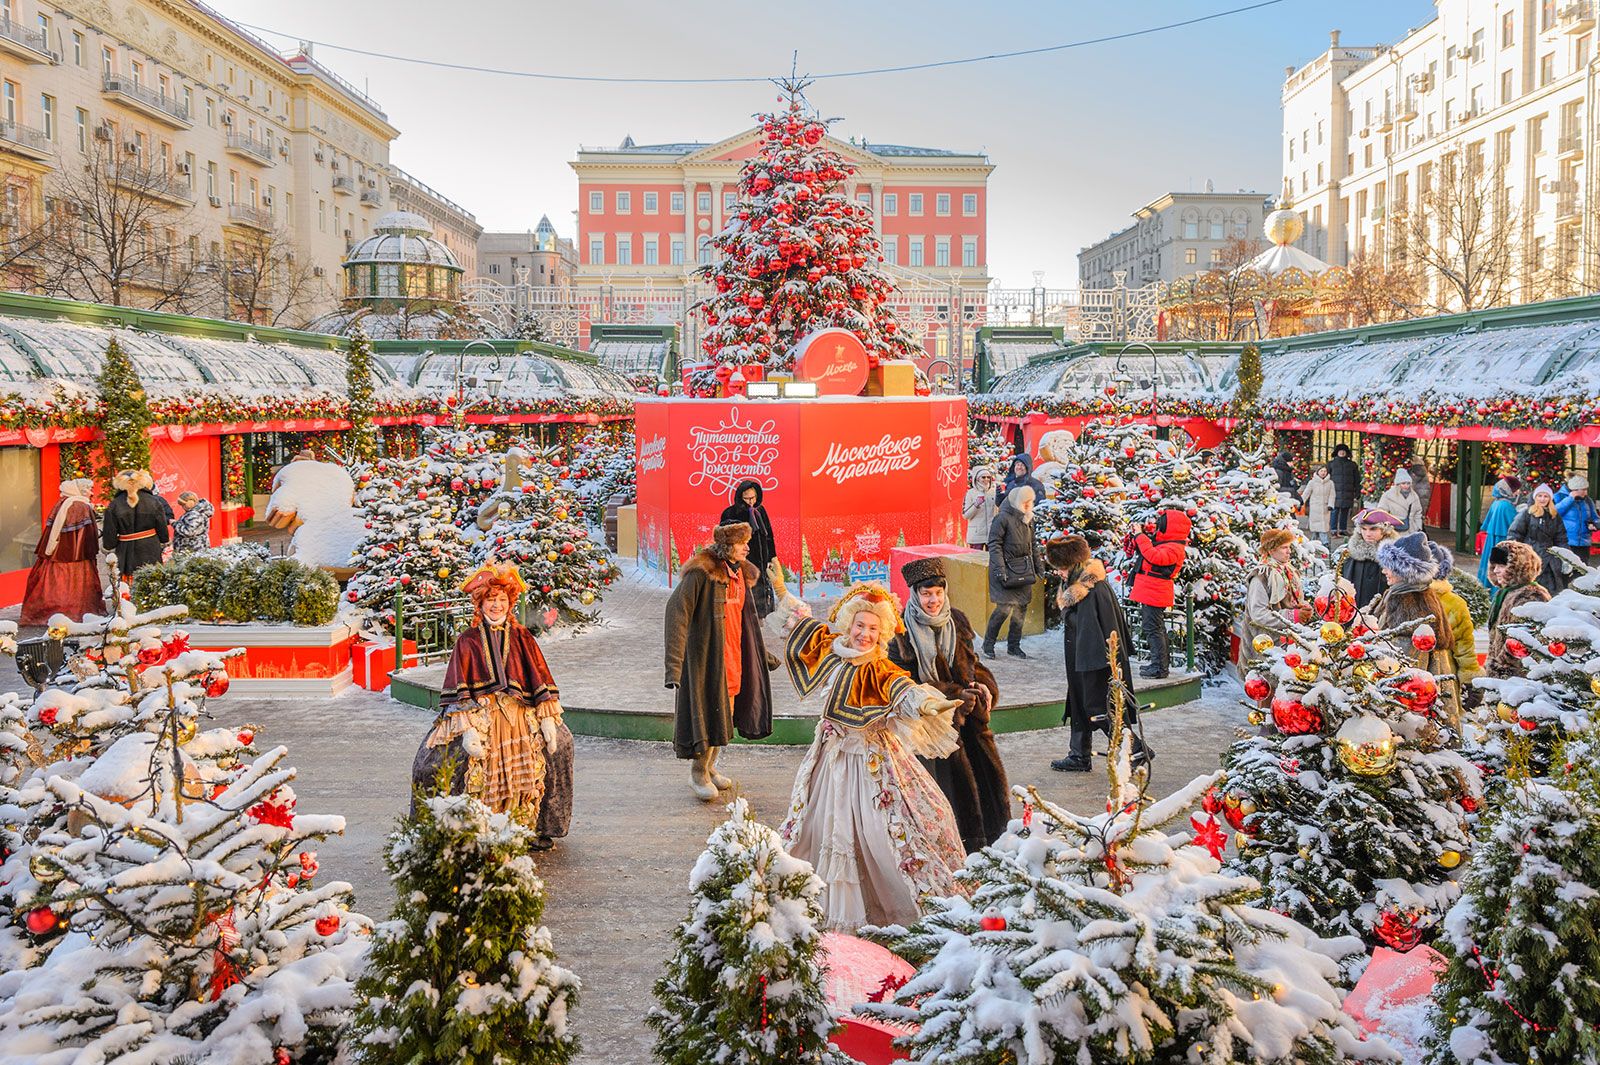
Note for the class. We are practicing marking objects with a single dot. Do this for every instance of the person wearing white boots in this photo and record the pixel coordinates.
(716, 658)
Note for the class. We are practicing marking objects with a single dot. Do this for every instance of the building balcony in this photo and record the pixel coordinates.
(25, 141)
(1577, 17)
(1385, 122)
(255, 217)
(246, 146)
(147, 101)
(25, 43)
(159, 184)
(344, 186)
(1570, 145)
(372, 196)
(1567, 211)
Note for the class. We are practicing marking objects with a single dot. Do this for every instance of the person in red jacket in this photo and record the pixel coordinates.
(1157, 555)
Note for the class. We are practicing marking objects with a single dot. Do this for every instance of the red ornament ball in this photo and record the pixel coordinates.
(1416, 689)
(42, 921)
(1517, 648)
(48, 715)
(1556, 648)
(1396, 932)
(217, 686)
(327, 925)
(352, 596)
(246, 737)
(1424, 639)
(1295, 718)
(1257, 688)
(1293, 660)
(992, 921)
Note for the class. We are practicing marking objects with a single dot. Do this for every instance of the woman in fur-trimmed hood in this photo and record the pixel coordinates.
(136, 525)
(716, 658)
(864, 812)
(1410, 568)
(1514, 572)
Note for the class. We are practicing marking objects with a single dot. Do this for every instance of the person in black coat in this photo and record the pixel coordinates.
(1014, 567)
(1541, 527)
(1090, 613)
(1284, 468)
(748, 508)
(937, 650)
(1346, 477)
(1019, 472)
(136, 527)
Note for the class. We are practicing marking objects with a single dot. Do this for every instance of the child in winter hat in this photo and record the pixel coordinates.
(1401, 476)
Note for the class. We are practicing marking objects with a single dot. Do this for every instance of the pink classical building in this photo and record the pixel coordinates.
(647, 212)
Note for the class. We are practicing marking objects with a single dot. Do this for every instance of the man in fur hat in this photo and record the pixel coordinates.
(136, 525)
(937, 650)
(716, 658)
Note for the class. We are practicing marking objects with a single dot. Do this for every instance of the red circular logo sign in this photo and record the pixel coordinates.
(834, 359)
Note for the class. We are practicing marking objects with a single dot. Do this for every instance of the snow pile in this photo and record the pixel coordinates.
(321, 497)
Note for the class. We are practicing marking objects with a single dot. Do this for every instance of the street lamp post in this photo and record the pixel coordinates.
(461, 357)
(1155, 372)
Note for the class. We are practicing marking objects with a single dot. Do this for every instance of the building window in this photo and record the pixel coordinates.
(1506, 89)
(597, 249)
(211, 188)
(651, 256)
(1320, 179)
(1189, 256)
(969, 204)
(1216, 224)
(10, 92)
(891, 250)
(1536, 136)
(77, 48)
(1547, 14)
(211, 112)
(941, 204)
(1366, 156)
(728, 201)
(864, 199)
(1580, 53)
(914, 203)
(914, 245)
(1216, 259)
(1508, 29)
(969, 251)
(1547, 68)
(83, 130)
(624, 251)
(1191, 229)
(108, 60)
(494, 268)
(677, 251)
(891, 203)
(941, 251)
(597, 203)
(652, 203)
(675, 203)
(1477, 45)
(702, 202)
(702, 247)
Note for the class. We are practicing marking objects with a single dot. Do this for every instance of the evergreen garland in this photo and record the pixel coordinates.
(463, 972)
(358, 379)
(125, 417)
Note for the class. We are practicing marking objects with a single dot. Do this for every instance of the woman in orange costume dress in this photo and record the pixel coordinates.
(65, 578)
(500, 716)
(864, 812)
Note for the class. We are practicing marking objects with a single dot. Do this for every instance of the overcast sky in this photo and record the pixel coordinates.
(1079, 138)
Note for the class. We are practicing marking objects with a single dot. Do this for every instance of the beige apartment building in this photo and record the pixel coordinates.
(537, 257)
(453, 225)
(243, 148)
(1174, 235)
(1504, 86)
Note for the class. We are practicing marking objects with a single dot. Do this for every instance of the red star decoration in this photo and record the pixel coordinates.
(1209, 834)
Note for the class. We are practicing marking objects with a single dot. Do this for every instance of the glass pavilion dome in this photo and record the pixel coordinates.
(402, 261)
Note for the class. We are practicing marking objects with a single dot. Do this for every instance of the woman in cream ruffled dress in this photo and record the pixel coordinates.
(864, 812)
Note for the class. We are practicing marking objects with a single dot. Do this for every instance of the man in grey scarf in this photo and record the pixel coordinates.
(937, 649)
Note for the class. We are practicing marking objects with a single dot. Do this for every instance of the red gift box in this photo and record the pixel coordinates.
(372, 661)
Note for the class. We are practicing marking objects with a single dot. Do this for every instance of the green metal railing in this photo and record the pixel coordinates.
(432, 625)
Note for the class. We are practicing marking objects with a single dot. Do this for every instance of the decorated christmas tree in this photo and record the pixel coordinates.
(1090, 494)
(1351, 809)
(363, 438)
(412, 546)
(744, 985)
(540, 529)
(125, 417)
(159, 895)
(1107, 939)
(797, 254)
(467, 460)
(1523, 983)
(1558, 643)
(463, 972)
(602, 467)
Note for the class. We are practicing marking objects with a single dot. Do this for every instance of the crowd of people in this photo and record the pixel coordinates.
(81, 553)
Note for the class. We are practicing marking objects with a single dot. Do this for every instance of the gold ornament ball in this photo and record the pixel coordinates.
(1262, 643)
(444, 571)
(586, 598)
(1246, 807)
(1367, 747)
(1450, 859)
(1331, 632)
(1207, 535)
(1506, 712)
(1594, 684)
(57, 632)
(1307, 672)
(186, 730)
(1256, 717)
(43, 869)
(552, 556)
(1365, 671)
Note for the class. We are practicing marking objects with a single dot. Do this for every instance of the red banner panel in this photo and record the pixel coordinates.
(844, 479)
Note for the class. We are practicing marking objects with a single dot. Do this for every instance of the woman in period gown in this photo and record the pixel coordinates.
(864, 812)
(500, 716)
(65, 577)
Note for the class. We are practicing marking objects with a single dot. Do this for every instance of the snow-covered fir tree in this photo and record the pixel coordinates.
(1533, 715)
(796, 255)
(602, 466)
(1089, 493)
(744, 985)
(468, 460)
(160, 879)
(1351, 809)
(412, 546)
(125, 416)
(1523, 983)
(1106, 939)
(463, 972)
(540, 529)
(359, 383)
